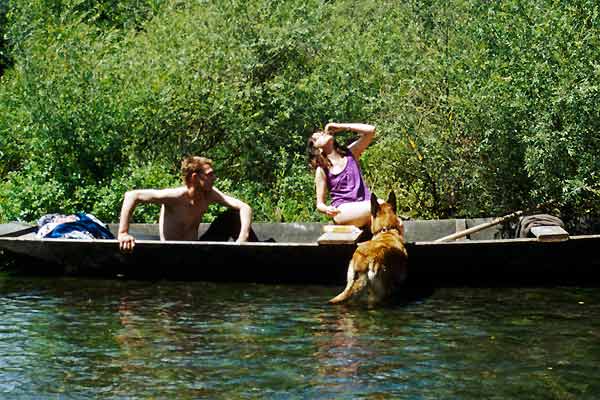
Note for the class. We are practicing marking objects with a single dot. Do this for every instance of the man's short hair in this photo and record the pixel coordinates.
(192, 164)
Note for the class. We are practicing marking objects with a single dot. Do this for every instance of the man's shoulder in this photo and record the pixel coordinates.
(217, 196)
(170, 191)
(174, 193)
(214, 195)
(177, 190)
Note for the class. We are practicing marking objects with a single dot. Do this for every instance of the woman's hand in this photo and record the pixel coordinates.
(332, 211)
(333, 127)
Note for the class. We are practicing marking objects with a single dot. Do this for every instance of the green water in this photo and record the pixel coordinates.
(100, 339)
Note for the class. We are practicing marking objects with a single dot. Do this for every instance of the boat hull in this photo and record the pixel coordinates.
(507, 262)
(303, 261)
(213, 261)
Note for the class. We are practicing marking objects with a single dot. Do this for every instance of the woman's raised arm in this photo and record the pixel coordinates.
(366, 132)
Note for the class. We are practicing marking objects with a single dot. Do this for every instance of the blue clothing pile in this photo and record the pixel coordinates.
(75, 226)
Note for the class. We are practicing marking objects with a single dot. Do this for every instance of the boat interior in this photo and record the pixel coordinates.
(312, 232)
(309, 232)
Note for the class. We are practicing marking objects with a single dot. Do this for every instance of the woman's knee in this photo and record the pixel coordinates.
(358, 222)
(353, 216)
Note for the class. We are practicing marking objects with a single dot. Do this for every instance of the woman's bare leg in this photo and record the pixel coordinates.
(357, 213)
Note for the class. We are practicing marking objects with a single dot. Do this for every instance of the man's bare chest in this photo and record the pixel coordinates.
(193, 211)
(186, 214)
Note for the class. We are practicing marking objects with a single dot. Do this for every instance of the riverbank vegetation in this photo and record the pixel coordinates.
(481, 107)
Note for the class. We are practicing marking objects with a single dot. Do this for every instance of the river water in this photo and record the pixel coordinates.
(108, 339)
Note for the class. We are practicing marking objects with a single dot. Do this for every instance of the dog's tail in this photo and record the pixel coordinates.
(355, 286)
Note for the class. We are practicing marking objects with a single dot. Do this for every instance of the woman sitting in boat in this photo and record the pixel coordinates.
(337, 171)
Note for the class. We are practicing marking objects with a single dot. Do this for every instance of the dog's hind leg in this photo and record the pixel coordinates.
(356, 284)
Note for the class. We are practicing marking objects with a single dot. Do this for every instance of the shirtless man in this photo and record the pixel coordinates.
(182, 208)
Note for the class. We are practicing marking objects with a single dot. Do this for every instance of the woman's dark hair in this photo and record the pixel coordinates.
(317, 159)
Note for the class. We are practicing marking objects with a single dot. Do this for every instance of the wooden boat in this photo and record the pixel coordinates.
(292, 253)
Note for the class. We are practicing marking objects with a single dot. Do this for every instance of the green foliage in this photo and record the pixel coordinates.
(423, 151)
(480, 107)
(4, 57)
(105, 201)
(289, 197)
(31, 192)
(537, 96)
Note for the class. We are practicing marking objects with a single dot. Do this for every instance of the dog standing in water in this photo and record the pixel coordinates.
(379, 264)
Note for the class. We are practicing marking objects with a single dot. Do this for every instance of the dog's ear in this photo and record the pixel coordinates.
(392, 200)
(374, 205)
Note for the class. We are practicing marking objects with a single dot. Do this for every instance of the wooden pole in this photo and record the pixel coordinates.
(480, 227)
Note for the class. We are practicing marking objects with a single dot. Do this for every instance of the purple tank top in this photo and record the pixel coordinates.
(347, 186)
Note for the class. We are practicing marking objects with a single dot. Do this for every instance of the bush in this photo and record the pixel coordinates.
(481, 107)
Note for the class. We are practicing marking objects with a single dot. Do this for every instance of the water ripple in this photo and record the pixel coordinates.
(71, 338)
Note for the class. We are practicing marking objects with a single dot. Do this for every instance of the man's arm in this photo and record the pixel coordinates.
(131, 199)
(244, 209)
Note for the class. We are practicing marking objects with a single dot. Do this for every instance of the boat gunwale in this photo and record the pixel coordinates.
(28, 238)
(162, 242)
(507, 240)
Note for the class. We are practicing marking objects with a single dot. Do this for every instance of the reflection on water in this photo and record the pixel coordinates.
(73, 338)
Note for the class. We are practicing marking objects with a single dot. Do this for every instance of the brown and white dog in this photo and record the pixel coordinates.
(379, 264)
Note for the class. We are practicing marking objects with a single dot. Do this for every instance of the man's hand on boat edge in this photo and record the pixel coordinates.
(126, 242)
